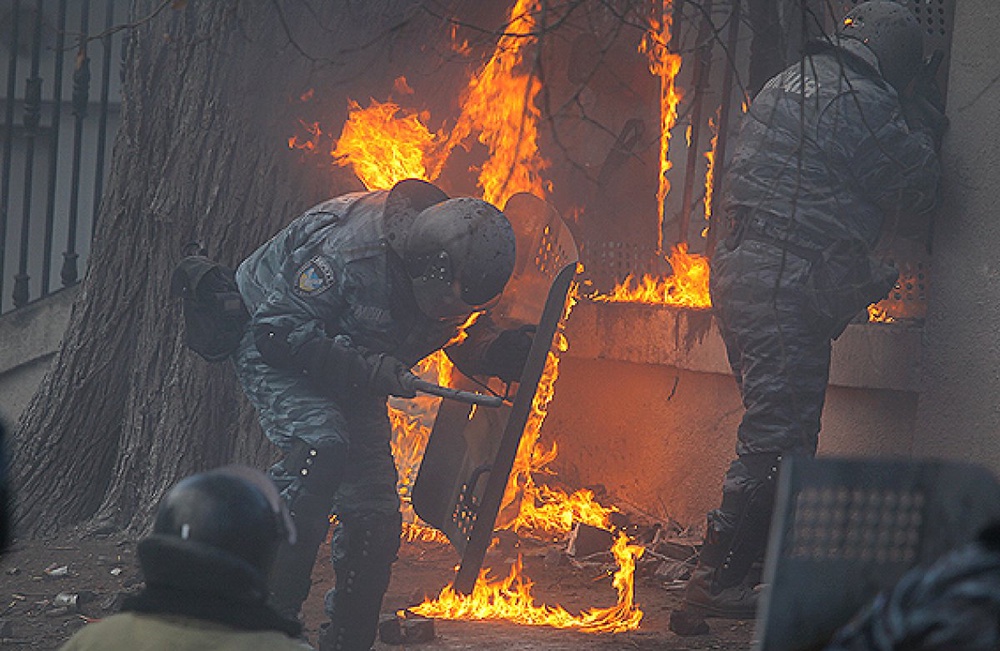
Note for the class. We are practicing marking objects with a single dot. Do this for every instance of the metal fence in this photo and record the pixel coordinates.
(60, 109)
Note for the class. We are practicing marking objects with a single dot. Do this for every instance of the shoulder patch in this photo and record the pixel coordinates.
(314, 277)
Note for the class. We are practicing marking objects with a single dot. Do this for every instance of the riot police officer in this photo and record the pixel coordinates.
(823, 155)
(343, 302)
(206, 563)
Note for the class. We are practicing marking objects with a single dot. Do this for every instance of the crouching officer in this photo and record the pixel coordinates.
(343, 302)
(206, 563)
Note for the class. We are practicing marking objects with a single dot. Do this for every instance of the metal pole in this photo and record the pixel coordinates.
(724, 112)
(54, 125)
(102, 122)
(703, 66)
(32, 115)
(8, 137)
(81, 95)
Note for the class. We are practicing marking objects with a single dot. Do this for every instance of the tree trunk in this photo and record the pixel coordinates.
(126, 409)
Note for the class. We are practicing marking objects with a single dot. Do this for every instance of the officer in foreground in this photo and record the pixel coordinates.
(206, 563)
(343, 302)
(830, 148)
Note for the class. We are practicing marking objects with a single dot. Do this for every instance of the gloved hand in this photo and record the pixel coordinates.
(389, 376)
(507, 354)
(921, 115)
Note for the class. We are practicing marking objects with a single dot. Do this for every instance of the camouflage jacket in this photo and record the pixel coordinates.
(331, 273)
(859, 160)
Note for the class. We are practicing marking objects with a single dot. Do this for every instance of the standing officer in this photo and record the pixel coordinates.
(823, 156)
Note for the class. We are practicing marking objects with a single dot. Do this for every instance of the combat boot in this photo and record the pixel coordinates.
(703, 598)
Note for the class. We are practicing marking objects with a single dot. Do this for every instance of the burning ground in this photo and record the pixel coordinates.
(101, 571)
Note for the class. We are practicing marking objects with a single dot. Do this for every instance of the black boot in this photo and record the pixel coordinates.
(704, 598)
(364, 549)
(311, 474)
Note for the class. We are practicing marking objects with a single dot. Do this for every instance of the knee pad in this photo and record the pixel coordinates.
(368, 539)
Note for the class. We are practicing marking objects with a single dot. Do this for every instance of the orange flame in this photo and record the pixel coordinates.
(499, 103)
(308, 144)
(664, 64)
(385, 144)
(687, 287)
(541, 507)
(511, 599)
(713, 124)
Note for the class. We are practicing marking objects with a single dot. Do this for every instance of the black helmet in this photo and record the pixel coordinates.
(892, 32)
(235, 509)
(459, 254)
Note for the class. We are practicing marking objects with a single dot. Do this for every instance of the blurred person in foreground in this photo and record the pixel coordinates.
(952, 604)
(829, 150)
(206, 564)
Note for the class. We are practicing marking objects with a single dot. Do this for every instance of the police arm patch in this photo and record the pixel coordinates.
(314, 277)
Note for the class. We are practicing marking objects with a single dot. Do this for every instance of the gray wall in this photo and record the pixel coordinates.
(959, 409)
(29, 337)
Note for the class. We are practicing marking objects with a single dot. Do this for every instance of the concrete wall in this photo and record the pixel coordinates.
(645, 405)
(959, 410)
(29, 337)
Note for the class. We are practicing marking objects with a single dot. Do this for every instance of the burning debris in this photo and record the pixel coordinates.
(511, 599)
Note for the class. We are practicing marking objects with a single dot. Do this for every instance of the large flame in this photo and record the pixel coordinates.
(510, 599)
(542, 508)
(686, 287)
(665, 65)
(385, 144)
(499, 103)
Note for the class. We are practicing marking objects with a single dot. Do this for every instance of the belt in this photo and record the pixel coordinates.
(758, 228)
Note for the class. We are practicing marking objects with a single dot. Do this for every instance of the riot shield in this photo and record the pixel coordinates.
(469, 456)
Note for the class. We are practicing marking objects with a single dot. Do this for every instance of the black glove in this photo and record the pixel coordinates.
(507, 354)
(389, 376)
(921, 115)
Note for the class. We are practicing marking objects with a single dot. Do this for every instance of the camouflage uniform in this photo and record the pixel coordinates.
(952, 604)
(822, 156)
(331, 273)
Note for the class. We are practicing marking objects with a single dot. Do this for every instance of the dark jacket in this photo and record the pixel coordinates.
(829, 154)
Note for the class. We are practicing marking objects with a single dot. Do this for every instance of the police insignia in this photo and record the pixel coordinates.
(314, 277)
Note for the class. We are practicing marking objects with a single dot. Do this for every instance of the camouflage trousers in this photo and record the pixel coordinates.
(291, 409)
(780, 357)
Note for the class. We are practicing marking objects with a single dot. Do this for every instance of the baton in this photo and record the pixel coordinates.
(469, 397)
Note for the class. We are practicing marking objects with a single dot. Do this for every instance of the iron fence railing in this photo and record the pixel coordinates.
(59, 118)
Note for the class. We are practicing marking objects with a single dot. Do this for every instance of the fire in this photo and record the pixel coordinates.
(664, 64)
(542, 508)
(510, 599)
(499, 103)
(713, 124)
(687, 287)
(309, 143)
(879, 314)
(385, 144)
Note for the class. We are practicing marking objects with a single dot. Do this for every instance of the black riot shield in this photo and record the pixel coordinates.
(468, 461)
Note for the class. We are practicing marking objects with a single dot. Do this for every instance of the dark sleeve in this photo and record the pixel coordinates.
(289, 328)
(895, 167)
(470, 355)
